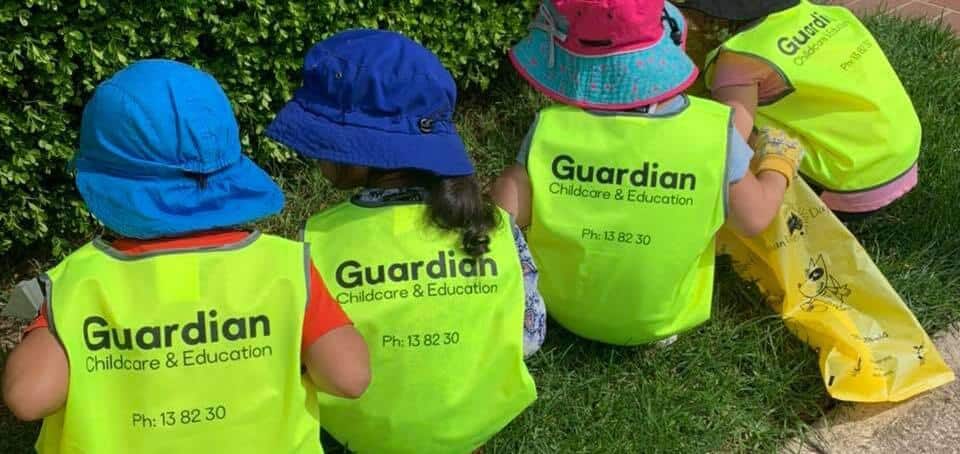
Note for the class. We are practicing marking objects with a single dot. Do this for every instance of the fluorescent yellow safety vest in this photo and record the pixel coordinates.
(184, 351)
(844, 100)
(625, 211)
(444, 330)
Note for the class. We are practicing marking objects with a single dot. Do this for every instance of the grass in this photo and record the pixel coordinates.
(741, 382)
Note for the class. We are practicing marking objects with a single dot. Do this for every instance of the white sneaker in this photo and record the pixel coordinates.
(662, 343)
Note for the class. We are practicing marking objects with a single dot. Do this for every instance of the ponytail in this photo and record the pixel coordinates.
(459, 204)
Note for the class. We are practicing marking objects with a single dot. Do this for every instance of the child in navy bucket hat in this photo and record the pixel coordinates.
(427, 267)
(181, 309)
(623, 185)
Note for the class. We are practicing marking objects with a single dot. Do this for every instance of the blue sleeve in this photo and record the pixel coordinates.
(739, 155)
(524, 153)
(535, 311)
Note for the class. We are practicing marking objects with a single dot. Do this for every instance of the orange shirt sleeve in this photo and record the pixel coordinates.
(323, 312)
(39, 322)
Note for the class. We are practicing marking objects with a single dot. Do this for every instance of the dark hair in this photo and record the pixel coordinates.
(458, 203)
(737, 26)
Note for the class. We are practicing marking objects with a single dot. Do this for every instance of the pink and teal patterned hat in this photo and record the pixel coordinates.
(606, 54)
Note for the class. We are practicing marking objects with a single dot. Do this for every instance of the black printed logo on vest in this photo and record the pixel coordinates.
(351, 273)
(648, 175)
(205, 329)
(790, 45)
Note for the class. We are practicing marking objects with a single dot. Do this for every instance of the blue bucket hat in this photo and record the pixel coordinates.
(160, 155)
(374, 98)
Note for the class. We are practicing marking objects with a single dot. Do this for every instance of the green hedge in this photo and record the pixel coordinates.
(54, 53)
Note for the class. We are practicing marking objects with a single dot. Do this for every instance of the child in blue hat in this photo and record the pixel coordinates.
(432, 273)
(183, 333)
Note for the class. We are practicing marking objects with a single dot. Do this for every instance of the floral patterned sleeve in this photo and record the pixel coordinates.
(535, 312)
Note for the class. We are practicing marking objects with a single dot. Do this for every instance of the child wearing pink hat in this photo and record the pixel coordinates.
(624, 184)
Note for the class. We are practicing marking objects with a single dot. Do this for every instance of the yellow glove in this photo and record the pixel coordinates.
(776, 151)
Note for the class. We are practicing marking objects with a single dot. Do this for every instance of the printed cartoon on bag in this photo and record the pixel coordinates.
(821, 290)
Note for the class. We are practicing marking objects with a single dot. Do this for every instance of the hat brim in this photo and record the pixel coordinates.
(619, 81)
(317, 137)
(172, 205)
(739, 9)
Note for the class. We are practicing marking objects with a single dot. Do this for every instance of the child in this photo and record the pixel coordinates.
(817, 73)
(424, 264)
(184, 333)
(624, 188)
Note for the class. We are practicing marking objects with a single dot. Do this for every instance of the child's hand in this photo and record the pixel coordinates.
(776, 151)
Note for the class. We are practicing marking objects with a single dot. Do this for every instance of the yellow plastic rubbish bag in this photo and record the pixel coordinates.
(833, 297)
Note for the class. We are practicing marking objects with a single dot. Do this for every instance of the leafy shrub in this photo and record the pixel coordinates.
(53, 53)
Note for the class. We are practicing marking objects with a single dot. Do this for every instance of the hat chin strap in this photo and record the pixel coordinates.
(548, 23)
(675, 33)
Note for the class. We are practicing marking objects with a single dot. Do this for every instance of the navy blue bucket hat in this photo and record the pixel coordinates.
(374, 98)
(160, 155)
